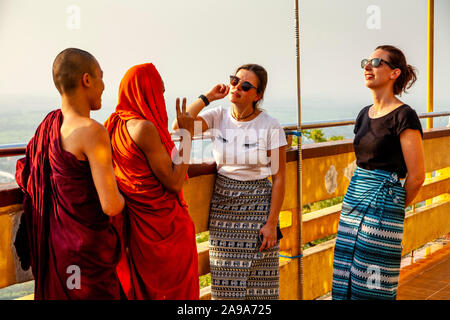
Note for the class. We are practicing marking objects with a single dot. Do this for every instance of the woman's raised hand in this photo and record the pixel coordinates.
(218, 92)
(185, 120)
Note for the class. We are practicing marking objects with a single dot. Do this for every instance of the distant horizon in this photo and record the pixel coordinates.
(24, 115)
(195, 45)
(194, 54)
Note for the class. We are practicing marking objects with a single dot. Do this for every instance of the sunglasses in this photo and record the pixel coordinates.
(246, 86)
(375, 62)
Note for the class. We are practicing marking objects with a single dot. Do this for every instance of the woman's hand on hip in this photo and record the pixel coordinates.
(268, 233)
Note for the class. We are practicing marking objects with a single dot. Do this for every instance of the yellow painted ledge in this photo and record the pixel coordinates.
(425, 225)
(318, 270)
(28, 297)
(7, 266)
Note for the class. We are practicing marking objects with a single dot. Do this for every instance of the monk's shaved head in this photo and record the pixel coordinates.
(69, 67)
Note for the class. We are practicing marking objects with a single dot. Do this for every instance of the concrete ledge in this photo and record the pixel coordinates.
(432, 187)
(203, 258)
(425, 224)
(28, 297)
(321, 223)
(318, 270)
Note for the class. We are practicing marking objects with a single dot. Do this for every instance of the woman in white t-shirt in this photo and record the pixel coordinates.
(248, 147)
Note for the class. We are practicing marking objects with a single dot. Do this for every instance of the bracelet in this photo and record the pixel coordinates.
(204, 98)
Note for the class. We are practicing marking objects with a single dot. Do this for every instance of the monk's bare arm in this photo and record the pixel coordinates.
(148, 140)
(97, 148)
(278, 183)
(411, 142)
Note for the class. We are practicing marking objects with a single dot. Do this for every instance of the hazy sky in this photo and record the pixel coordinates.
(336, 36)
(198, 43)
(194, 44)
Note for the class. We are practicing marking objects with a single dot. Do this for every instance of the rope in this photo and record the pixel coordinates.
(294, 133)
(294, 257)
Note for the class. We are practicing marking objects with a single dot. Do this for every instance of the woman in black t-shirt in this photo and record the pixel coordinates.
(388, 147)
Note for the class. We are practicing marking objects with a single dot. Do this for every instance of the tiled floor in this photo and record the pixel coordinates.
(426, 275)
(427, 279)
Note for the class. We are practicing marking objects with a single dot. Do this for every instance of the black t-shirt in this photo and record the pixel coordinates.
(377, 141)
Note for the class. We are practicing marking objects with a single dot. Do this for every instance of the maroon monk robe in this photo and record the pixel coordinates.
(63, 229)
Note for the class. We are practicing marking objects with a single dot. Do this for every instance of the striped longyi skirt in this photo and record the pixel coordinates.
(239, 209)
(368, 248)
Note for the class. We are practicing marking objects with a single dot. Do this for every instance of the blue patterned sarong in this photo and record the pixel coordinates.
(368, 246)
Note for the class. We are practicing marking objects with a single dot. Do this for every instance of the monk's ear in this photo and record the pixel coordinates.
(86, 80)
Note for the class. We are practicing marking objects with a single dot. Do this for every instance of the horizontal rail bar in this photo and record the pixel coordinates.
(331, 123)
(346, 122)
(9, 150)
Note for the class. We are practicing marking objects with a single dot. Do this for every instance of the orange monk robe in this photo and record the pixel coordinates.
(158, 233)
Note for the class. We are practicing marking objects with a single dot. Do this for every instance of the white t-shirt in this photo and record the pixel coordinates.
(240, 147)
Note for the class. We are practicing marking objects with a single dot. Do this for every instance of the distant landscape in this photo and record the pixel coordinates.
(20, 118)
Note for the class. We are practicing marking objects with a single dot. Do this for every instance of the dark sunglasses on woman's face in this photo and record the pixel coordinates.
(375, 62)
(246, 86)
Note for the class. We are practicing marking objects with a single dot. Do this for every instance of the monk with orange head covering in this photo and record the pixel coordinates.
(156, 229)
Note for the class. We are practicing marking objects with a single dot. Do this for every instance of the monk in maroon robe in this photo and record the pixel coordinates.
(70, 192)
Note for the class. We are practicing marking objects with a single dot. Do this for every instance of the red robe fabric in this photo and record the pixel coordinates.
(63, 231)
(158, 233)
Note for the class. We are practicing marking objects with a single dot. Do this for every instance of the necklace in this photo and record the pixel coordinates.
(235, 116)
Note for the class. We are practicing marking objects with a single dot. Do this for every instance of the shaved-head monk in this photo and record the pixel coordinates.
(70, 192)
(160, 253)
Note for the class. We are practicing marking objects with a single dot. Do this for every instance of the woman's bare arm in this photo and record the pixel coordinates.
(411, 142)
(278, 164)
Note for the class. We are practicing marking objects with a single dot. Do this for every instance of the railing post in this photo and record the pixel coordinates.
(430, 62)
(299, 148)
(430, 71)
